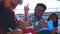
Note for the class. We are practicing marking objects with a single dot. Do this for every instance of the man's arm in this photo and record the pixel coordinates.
(42, 25)
(26, 9)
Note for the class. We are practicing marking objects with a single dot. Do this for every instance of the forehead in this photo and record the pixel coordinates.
(53, 16)
(40, 7)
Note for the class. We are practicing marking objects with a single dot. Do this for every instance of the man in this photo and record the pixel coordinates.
(7, 18)
(36, 20)
(37, 16)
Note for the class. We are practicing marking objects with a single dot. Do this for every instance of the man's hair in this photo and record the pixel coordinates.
(42, 5)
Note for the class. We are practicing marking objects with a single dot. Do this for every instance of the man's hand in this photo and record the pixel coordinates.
(26, 8)
(43, 25)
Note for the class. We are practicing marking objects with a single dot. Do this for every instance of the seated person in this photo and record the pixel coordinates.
(54, 17)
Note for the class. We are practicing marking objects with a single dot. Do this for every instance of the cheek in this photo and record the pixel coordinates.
(38, 14)
(41, 14)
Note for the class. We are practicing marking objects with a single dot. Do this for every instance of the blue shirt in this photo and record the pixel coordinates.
(33, 20)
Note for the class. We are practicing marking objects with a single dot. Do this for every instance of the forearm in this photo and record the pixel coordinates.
(26, 9)
(26, 16)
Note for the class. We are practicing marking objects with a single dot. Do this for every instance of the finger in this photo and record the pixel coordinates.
(27, 4)
(19, 29)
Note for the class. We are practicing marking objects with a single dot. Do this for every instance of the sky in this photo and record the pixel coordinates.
(52, 5)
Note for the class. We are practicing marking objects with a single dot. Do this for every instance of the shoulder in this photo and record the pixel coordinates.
(31, 16)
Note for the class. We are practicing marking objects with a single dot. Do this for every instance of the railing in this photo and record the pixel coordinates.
(21, 11)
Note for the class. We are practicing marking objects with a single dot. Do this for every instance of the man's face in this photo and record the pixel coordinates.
(39, 11)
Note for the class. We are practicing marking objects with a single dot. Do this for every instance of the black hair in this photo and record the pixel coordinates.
(42, 5)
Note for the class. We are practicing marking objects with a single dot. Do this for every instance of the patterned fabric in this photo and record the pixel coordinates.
(33, 21)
